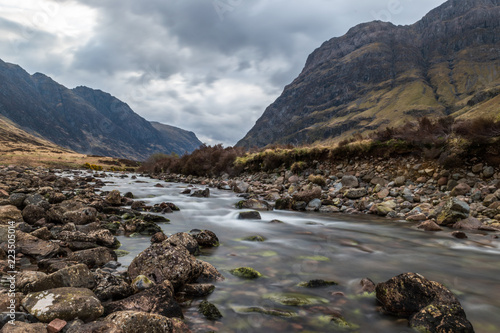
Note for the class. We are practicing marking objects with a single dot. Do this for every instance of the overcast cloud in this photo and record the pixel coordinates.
(208, 66)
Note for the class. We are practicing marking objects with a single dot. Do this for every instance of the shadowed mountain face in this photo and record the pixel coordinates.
(379, 74)
(85, 120)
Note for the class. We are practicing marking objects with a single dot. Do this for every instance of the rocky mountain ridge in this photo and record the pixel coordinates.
(379, 74)
(85, 120)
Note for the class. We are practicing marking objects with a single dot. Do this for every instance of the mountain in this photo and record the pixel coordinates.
(379, 74)
(85, 120)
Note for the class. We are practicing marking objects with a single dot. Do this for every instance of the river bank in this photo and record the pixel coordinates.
(66, 221)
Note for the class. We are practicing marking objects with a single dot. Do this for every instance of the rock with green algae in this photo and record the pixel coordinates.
(245, 273)
(255, 238)
(141, 282)
(135, 321)
(249, 215)
(295, 299)
(64, 303)
(209, 310)
(267, 311)
(121, 253)
(317, 283)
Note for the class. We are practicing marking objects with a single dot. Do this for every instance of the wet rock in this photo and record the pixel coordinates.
(158, 237)
(209, 310)
(295, 299)
(63, 303)
(186, 240)
(158, 299)
(459, 234)
(136, 321)
(36, 200)
(154, 218)
(198, 290)
(317, 284)
(205, 238)
(78, 276)
(114, 198)
(42, 233)
(164, 261)
(412, 296)
(241, 187)
(249, 215)
(110, 287)
(283, 204)
(429, 225)
(253, 204)
(26, 277)
(209, 273)
(453, 211)
(460, 189)
(367, 286)
(201, 193)
(10, 213)
(314, 205)
(71, 211)
(22, 327)
(96, 257)
(17, 199)
(140, 226)
(245, 273)
(355, 193)
(349, 181)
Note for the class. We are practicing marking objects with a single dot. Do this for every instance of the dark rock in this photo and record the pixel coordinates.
(209, 273)
(317, 284)
(198, 290)
(35, 247)
(33, 213)
(283, 204)
(209, 310)
(249, 215)
(95, 327)
(96, 257)
(114, 198)
(22, 327)
(246, 273)
(453, 211)
(201, 193)
(158, 299)
(133, 322)
(459, 234)
(412, 296)
(307, 195)
(154, 218)
(140, 226)
(158, 237)
(186, 240)
(110, 287)
(205, 238)
(17, 199)
(355, 193)
(253, 204)
(367, 286)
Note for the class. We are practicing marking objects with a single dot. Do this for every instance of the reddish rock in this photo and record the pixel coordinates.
(429, 226)
(56, 325)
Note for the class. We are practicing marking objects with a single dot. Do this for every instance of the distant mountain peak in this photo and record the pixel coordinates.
(379, 74)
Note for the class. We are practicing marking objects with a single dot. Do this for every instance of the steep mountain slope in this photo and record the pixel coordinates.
(379, 74)
(82, 119)
(180, 140)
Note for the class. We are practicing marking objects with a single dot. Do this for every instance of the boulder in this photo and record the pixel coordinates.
(209, 311)
(78, 276)
(253, 204)
(96, 257)
(114, 198)
(209, 273)
(136, 321)
(95, 327)
(246, 273)
(158, 299)
(429, 225)
(10, 213)
(201, 193)
(17, 199)
(241, 187)
(164, 261)
(186, 240)
(470, 223)
(64, 303)
(141, 282)
(205, 238)
(453, 211)
(249, 215)
(283, 204)
(35, 247)
(198, 289)
(314, 205)
(428, 304)
(110, 287)
(488, 172)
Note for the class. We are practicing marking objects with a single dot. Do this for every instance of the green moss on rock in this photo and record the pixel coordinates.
(245, 273)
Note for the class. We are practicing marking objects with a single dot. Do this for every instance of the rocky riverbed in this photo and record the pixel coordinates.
(68, 279)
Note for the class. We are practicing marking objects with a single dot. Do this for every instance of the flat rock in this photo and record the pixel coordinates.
(10, 213)
(78, 276)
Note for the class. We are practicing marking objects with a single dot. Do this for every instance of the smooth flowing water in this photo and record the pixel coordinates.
(309, 246)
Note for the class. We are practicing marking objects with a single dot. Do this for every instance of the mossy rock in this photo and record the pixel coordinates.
(270, 312)
(112, 226)
(265, 254)
(255, 238)
(209, 310)
(295, 299)
(341, 323)
(121, 253)
(317, 284)
(245, 273)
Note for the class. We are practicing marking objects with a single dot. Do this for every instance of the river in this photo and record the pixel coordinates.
(307, 246)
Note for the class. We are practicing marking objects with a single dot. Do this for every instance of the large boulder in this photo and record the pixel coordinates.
(164, 261)
(114, 198)
(64, 303)
(429, 306)
(10, 213)
(96, 257)
(71, 211)
(186, 240)
(78, 276)
(33, 213)
(35, 247)
(209, 273)
(453, 211)
(159, 299)
(205, 238)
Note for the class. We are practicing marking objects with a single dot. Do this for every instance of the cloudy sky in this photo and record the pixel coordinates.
(209, 66)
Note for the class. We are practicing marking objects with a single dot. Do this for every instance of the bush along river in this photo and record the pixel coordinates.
(127, 253)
